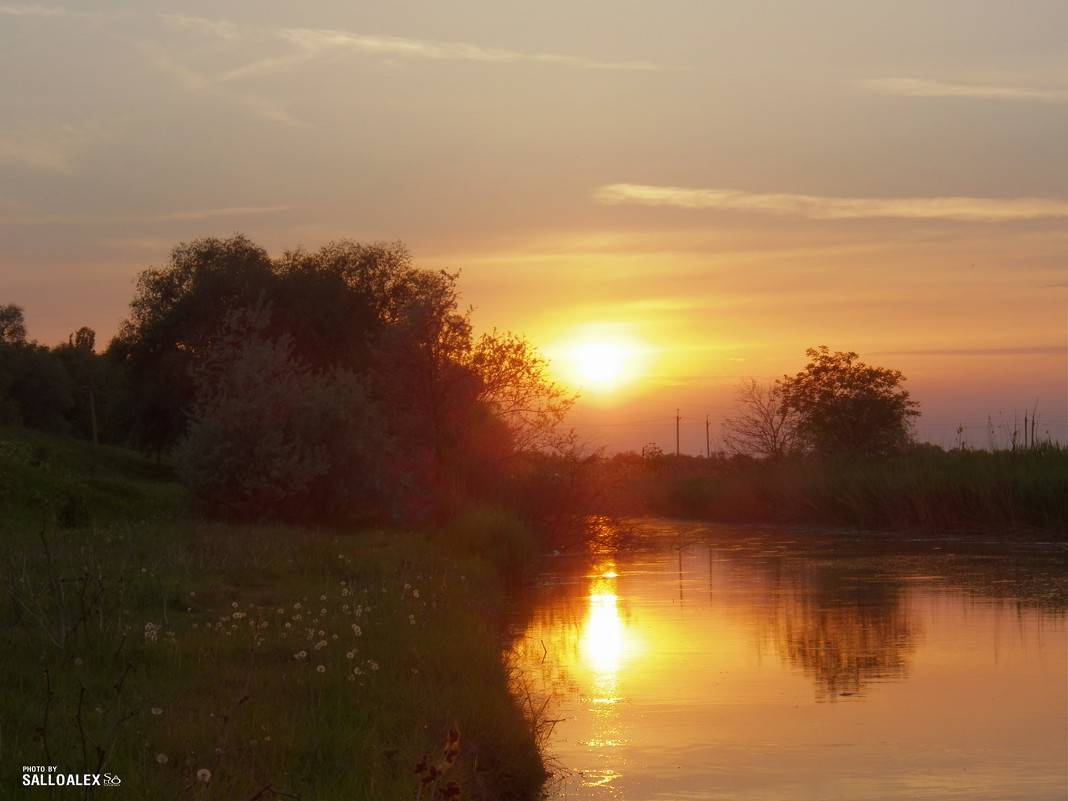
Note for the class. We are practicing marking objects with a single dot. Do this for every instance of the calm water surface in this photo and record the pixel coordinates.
(723, 663)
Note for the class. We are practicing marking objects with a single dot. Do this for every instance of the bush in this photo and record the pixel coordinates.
(495, 534)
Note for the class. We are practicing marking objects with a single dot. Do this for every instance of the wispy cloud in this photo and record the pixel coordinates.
(260, 52)
(314, 43)
(1039, 350)
(399, 47)
(49, 149)
(171, 216)
(913, 87)
(835, 208)
(22, 10)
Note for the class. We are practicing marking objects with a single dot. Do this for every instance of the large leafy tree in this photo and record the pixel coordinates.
(846, 406)
(352, 338)
(174, 316)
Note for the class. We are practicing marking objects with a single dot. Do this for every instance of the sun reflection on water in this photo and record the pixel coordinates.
(603, 650)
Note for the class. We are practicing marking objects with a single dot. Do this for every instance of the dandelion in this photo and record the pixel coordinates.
(411, 619)
(234, 605)
(350, 655)
(415, 593)
(321, 669)
(297, 605)
(161, 759)
(157, 711)
(204, 775)
(373, 665)
(77, 660)
(300, 655)
(356, 630)
(322, 597)
(238, 615)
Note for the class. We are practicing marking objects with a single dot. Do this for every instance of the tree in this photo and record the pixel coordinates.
(366, 340)
(269, 437)
(764, 425)
(39, 392)
(845, 406)
(12, 324)
(88, 374)
(514, 382)
(173, 319)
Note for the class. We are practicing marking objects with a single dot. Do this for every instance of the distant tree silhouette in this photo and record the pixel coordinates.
(763, 424)
(12, 324)
(847, 407)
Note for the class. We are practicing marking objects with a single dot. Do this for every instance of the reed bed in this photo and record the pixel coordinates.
(1022, 492)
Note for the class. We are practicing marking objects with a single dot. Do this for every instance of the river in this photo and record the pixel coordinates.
(713, 662)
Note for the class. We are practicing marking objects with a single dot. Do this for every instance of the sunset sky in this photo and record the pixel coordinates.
(701, 189)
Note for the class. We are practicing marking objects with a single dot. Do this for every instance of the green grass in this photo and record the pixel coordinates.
(143, 643)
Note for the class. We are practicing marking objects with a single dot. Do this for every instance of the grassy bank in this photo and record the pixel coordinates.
(1025, 491)
(198, 661)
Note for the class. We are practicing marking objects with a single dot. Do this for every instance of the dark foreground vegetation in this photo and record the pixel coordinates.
(197, 660)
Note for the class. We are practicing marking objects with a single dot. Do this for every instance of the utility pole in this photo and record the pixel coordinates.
(677, 421)
(708, 446)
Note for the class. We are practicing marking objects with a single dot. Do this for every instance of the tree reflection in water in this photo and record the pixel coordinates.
(844, 630)
(702, 661)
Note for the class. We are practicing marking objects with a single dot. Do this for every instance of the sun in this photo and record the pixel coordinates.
(600, 363)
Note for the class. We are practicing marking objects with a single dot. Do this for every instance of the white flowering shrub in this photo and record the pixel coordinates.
(268, 436)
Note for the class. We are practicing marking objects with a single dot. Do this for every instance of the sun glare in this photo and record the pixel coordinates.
(600, 363)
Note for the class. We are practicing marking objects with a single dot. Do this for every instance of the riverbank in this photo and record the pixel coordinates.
(198, 660)
(1023, 492)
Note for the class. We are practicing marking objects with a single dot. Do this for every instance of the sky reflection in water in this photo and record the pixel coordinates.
(748, 668)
